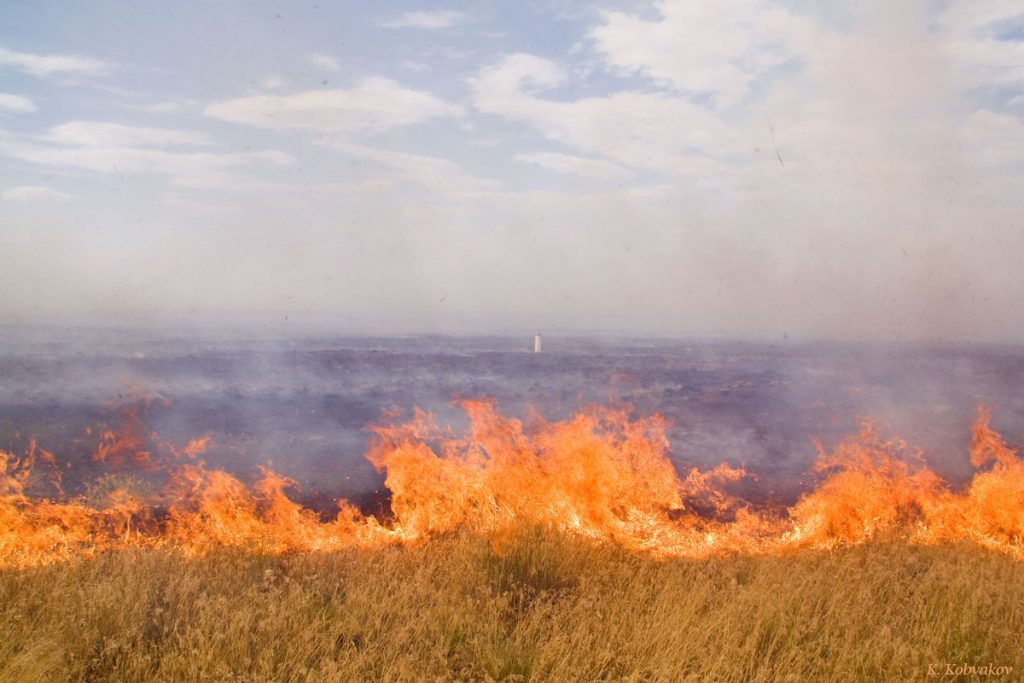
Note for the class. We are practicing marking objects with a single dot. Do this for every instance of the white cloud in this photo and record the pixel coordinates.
(985, 58)
(125, 150)
(16, 103)
(33, 193)
(170, 106)
(427, 20)
(644, 130)
(566, 163)
(326, 62)
(995, 140)
(709, 49)
(431, 172)
(363, 187)
(102, 134)
(412, 65)
(519, 71)
(149, 101)
(197, 169)
(373, 104)
(47, 65)
(273, 83)
(971, 15)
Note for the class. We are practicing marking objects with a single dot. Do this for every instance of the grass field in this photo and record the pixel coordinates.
(539, 606)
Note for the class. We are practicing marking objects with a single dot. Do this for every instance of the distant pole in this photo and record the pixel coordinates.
(536, 343)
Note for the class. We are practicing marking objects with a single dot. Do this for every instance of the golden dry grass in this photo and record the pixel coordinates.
(546, 608)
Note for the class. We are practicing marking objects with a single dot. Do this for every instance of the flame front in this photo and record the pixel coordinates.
(600, 474)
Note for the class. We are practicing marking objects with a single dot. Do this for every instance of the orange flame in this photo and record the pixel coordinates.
(126, 447)
(600, 474)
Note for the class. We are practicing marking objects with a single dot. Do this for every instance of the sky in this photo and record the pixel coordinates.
(769, 170)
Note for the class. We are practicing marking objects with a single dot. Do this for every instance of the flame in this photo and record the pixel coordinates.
(601, 474)
(125, 447)
(597, 473)
(873, 487)
(993, 511)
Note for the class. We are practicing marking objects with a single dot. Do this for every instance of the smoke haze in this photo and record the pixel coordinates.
(305, 404)
(765, 170)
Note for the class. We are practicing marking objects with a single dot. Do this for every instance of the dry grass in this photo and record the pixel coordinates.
(547, 608)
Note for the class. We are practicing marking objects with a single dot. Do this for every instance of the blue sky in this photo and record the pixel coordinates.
(756, 169)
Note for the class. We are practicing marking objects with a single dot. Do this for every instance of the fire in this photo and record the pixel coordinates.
(602, 474)
(126, 446)
(597, 473)
(994, 508)
(873, 487)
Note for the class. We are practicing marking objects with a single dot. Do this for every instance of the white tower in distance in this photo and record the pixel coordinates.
(536, 343)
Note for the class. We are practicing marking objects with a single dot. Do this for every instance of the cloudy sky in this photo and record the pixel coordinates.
(751, 169)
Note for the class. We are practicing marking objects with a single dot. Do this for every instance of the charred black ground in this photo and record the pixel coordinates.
(305, 404)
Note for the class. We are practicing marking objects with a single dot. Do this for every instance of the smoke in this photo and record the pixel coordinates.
(305, 404)
(842, 172)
